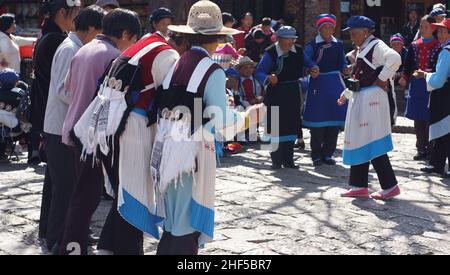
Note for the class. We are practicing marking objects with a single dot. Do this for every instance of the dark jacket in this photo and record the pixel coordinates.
(52, 37)
(409, 31)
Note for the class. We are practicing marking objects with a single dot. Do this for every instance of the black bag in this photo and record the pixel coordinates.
(353, 85)
(23, 113)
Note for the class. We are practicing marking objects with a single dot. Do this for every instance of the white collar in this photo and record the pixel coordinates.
(319, 39)
(366, 42)
(74, 37)
(280, 52)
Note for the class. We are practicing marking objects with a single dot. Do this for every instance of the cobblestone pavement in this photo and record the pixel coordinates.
(259, 211)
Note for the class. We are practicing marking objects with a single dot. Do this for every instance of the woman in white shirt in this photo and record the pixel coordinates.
(10, 44)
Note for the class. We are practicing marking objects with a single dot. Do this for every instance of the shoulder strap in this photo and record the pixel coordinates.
(198, 74)
(168, 78)
(135, 59)
(363, 54)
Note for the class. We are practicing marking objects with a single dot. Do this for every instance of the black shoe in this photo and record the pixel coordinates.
(291, 166)
(420, 156)
(329, 161)
(275, 167)
(34, 160)
(317, 162)
(430, 170)
(446, 175)
(93, 240)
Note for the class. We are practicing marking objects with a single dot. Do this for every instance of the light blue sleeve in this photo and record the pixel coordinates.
(437, 79)
(222, 117)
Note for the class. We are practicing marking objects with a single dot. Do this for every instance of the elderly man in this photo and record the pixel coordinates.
(438, 83)
(368, 125)
(280, 70)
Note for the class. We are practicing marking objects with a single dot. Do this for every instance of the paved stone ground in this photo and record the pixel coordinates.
(260, 211)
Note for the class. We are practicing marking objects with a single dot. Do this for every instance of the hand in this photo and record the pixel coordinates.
(419, 74)
(382, 84)
(273, 79)
(342, 100)
(402, 82)
(347, 70)
(256, 113)
(242, 51)
(315, 72)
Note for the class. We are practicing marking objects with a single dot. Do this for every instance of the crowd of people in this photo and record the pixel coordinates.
(114, 112)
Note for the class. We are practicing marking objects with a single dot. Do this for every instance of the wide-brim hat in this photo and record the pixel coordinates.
(245, 61)
(205, 17)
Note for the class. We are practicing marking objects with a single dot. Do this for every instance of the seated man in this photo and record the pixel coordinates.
(251, 91)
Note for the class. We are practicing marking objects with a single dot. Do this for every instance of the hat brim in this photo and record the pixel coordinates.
(288, 37)
(439, 25)
(188, 30)
(254, 64)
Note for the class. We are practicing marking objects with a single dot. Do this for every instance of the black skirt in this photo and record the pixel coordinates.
(288, 98)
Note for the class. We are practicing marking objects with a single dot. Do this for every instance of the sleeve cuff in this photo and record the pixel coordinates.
(429, 87)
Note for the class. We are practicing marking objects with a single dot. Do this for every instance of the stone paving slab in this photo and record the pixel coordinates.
(264, 212)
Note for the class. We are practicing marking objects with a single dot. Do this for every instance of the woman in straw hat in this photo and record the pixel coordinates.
(193, 104)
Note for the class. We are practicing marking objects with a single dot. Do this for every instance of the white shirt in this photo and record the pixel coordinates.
(58, 97)
(10, 50)
(384, 56)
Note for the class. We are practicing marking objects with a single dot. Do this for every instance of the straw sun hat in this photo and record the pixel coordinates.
(205, 17)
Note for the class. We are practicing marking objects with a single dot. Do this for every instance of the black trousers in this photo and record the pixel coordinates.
(440, 152)
(359, 174)
(62, 178)
(2, 148)
(284, 154)
(422, 133)
(45, 204)
(85, 199)
(118, 235)
(323, 141)
(182, 245)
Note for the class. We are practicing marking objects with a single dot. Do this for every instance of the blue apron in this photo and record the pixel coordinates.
(321, 109)
(417, 100)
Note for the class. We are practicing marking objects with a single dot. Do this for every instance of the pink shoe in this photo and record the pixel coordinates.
(362, 193)
(379, 196)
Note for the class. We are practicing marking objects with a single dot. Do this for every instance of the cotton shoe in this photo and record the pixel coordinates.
(380, 196)
(329, 161)
(360, 193)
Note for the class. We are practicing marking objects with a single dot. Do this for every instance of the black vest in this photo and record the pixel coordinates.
(290, 66)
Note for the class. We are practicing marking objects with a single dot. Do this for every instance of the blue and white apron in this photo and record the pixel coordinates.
(367, 127)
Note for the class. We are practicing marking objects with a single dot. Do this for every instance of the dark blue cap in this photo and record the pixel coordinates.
(8, 78)
(161, 13)
(360, 22)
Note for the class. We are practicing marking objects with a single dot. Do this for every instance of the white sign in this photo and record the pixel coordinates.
(373, 3)
(345, 7)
